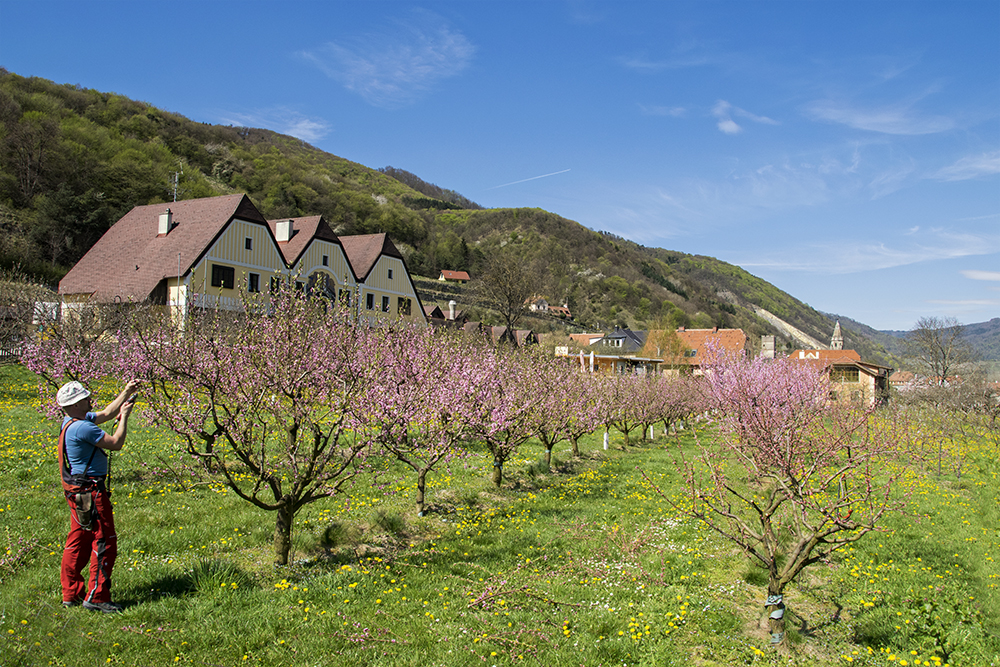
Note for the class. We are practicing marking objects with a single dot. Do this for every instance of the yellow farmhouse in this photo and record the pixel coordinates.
(206, 252)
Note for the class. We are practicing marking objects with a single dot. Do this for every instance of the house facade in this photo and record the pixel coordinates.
(586, 339)
(624, 341)
(205, 253)
(537, 304)
(454, 276)
(684, 351)
(851, 379)
(384, 285)
(611, 364)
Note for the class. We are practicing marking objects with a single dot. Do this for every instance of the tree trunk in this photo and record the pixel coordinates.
(775, 607)
(283, 531)
(421, 479)
(548, 457)
(576, 447)
(497, 472)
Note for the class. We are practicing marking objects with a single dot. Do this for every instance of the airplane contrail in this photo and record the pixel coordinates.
(525, 180)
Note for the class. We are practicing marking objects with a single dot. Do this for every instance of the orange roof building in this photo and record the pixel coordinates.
(851, 379)
(684, 350)
(454, 276)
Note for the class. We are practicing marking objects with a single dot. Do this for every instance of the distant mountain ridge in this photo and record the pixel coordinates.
(983, 336)
(74, 160)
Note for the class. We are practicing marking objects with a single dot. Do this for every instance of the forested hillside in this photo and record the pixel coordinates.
(74, 160)
(984, 337)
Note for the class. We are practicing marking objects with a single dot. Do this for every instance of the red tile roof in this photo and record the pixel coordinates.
(731, 340)
(828, 358)
(433, 310)
(304, 230)
(455, 275)
(364, 250)
(130, 260)
(586, 339)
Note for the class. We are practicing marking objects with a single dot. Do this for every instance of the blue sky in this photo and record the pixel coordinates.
(847, 152)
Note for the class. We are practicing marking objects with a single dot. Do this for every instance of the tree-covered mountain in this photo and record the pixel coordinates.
(984, 337)
(74, 160)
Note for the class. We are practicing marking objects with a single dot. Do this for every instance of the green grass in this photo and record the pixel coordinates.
(586, 564)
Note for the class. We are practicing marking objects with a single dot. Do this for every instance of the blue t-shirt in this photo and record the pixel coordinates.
(81, 439)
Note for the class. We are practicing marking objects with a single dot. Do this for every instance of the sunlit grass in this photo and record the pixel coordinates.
(586, 564)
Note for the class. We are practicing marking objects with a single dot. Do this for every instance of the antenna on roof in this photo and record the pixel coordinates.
(177, 175)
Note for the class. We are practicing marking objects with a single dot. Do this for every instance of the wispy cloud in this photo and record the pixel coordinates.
(971, 166)
(654, 110)
(394, 67)
(965, 302)
(280, 119)
(726, 123)
(692, 207)
(585, 12)
(724, 111)
(855, 256)
(899, 119)
(890, 180)
(972, 274)
(642, 64)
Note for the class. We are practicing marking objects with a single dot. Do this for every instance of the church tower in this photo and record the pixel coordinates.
(837, 342)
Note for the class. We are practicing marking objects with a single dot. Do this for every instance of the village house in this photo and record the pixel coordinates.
(586, 339)
(517, 337)
(456, 320)
(384, 284)
(206, 253)
(851, 379)
(904, 381)
(454, 277)
(609, 364)
(624, 340)
(537, 304)
(561, 311)
(453, 319)
(683, 351)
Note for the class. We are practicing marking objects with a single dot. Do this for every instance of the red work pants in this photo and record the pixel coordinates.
(98, 546)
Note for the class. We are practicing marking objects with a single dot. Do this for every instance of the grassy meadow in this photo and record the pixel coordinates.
(587, 563)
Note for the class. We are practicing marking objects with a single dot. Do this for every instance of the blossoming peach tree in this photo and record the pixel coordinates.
(792, 476)
(424, 399)
(559, 405)
(265, 399)
(504, 409)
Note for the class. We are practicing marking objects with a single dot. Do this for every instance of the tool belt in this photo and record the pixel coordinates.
(83, 507)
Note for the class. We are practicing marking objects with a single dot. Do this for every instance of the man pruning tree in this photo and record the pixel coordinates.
(83, 462)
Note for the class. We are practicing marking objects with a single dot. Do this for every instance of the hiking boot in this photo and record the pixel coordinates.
(104, 607)
(70, 603)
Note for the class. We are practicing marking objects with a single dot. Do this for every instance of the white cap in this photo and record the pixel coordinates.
(70, 393)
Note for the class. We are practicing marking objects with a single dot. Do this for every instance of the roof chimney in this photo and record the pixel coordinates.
(451, 310)
(166, 220)
(284, 230)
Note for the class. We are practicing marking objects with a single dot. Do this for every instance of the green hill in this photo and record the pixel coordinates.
(984, 337)
(74, 160)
